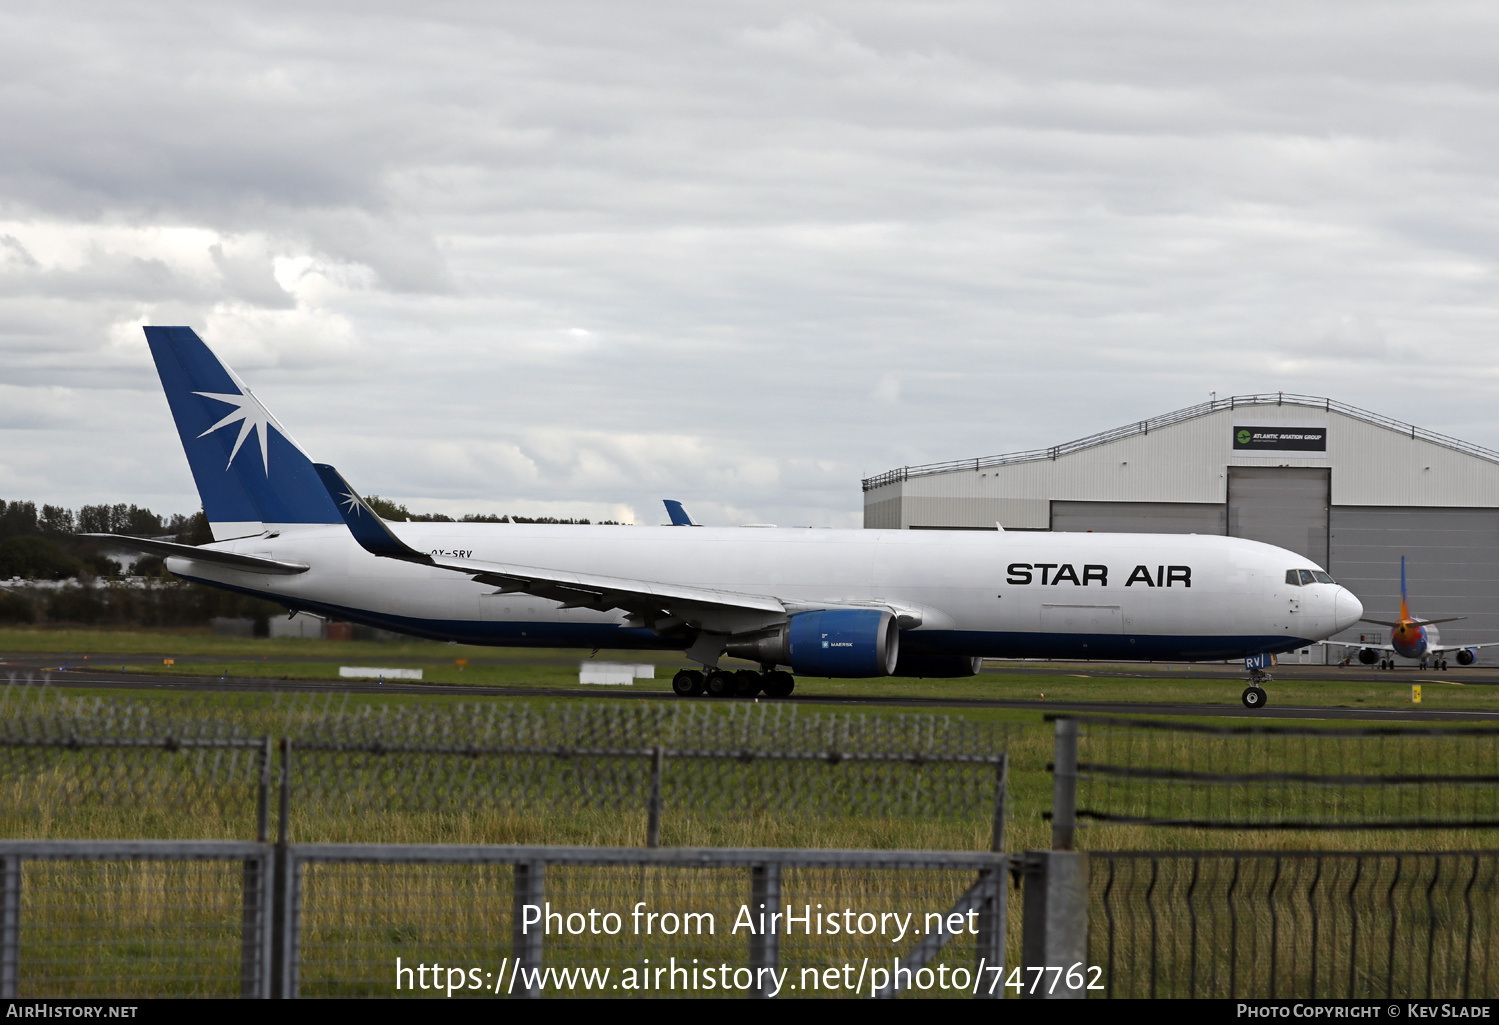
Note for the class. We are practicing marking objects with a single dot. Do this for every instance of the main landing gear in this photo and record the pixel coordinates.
(721, 683)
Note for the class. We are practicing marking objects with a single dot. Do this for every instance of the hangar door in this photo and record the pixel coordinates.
(1139, 517)
(1285, 506)
(1452, 566)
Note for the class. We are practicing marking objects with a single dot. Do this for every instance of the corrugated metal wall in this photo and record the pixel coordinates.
(1140, 517)
(1452, 567)
(1281, 505)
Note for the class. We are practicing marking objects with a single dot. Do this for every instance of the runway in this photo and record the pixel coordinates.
(64, 671)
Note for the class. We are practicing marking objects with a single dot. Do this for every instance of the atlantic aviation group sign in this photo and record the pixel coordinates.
(1280, 439)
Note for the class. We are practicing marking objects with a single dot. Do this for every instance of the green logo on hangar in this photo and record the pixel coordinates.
(1243, 437)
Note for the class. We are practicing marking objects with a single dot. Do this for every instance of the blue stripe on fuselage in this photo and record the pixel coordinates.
(512, 633)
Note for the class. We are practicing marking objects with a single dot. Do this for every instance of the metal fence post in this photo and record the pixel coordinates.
(10, 926)
(994, 906)
(255, 933)
(525, 945)
(263, 794)
(1064, 786)
(1001, 803)
(764, 944)
(993, 914)
(653, 818)
(1055, 934)
(284, 891)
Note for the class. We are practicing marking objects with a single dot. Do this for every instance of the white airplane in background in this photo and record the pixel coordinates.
(829, 603)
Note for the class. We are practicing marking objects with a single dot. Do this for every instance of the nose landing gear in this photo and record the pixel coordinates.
(1254, 696)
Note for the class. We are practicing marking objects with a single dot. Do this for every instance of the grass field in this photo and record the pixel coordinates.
(197, 653)
(359, 919)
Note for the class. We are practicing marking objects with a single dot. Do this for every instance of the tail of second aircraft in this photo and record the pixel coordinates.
(1405, 611)
(249, 471)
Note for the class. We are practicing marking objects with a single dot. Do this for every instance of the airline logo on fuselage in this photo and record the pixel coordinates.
(1054, 573)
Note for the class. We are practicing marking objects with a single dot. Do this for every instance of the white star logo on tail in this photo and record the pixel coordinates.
(352, 502)
(251, 416)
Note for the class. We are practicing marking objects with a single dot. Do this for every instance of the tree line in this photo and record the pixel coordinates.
(46, 544)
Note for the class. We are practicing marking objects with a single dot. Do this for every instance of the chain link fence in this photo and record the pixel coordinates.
(610, 774)
(90, 767)
(703, 793)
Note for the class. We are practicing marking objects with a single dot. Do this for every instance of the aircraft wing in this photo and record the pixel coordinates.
(652, 604)
(1356, 644)
(173, 550)
(1418, 622)
(1433, 649)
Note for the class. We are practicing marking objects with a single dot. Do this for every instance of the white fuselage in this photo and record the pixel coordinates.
(993, 594)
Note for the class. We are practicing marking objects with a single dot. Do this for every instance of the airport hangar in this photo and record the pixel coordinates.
(1351, 490)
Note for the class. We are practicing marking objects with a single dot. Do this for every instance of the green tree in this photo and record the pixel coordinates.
(35, 558)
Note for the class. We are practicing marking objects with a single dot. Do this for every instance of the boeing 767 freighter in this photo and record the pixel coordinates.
(829, 603)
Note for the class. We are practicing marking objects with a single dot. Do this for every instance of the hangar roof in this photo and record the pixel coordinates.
(1180, 416)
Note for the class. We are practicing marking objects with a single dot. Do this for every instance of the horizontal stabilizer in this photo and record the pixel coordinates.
(172, 550)
(363, 522)
(1418, 622)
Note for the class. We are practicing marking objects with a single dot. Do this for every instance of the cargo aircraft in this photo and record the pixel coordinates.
(815, 602)
(1413, 638)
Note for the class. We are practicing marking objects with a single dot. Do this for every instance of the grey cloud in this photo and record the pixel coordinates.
(252, 279)
(1025, 222)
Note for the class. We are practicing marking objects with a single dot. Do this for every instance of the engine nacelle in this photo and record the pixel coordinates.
(1466, 656)
(937, 667)
(829, 642)
(1368, 656)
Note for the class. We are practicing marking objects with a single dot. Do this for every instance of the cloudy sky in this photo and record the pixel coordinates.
(571, 258)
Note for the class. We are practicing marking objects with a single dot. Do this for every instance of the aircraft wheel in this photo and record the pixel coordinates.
(779, 684)
(719, 683)
(1254, 697)
(747, 683)
(687, 683)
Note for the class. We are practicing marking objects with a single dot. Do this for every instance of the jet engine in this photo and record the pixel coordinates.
(829, 642)
(1465, 656)
(1368, 656)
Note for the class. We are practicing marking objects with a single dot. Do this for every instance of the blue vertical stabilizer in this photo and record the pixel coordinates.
(679, 517)
(248, 470)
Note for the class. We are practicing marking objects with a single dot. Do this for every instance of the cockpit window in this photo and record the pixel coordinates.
(1293, 578)
(1323, 578)
(1307, 578)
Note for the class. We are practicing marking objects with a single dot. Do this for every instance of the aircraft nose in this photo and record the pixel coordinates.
(1348, 610)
